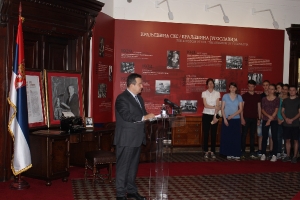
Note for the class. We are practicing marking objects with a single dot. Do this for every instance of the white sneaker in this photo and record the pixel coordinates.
(236, 158)
(229, 157)
(263, 157)
(273, 159)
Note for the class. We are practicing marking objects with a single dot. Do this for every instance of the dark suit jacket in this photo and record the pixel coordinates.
(74, 104)
(128, 111)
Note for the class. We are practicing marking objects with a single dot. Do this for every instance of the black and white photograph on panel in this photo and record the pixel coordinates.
(127, 67)
(110, 73)
(162, 86)
(173, 59)
(220, 85)
(257, 77)
(188, 105)
(102, 89)
(101, 47)
(234, 62)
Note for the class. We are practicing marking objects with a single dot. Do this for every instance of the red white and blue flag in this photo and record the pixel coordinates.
(18, 114)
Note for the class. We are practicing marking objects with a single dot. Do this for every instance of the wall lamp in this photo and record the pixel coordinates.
(275, 24)
(129, 1)
(225, 18)
(157, 3)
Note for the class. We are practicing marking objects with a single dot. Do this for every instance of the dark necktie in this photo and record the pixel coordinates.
(137, 100)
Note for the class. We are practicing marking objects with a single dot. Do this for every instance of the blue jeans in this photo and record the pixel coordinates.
(265, 135)
(259, 129)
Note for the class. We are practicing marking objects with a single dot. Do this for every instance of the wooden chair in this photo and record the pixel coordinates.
(94, 160)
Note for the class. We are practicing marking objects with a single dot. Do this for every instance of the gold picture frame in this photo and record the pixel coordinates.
(37, 117)
(60, 98)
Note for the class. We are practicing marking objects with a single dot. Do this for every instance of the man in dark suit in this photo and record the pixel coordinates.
(129, 136)
(73, 101)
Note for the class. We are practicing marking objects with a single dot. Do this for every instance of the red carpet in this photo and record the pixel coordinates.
(62, 190)
(297, 197)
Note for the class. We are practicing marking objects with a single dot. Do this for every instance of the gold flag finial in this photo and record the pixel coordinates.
(20, 12)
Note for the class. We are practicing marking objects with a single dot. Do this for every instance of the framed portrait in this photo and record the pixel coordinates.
(89, 123)
(64, 93)
(35, 99)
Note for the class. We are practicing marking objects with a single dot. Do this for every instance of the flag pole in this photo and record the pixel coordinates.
(19, 183)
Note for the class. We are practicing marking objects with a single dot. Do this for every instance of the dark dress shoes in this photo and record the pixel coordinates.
(136, 196)
(121, 198)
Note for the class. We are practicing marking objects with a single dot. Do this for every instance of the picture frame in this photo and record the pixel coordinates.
(64, 93)
(89, 122)
(36, 106)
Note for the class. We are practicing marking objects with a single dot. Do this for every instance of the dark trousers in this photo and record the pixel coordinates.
(265, 135)
(207, 128)
(280, 137)
(251, 123)
(126, 169)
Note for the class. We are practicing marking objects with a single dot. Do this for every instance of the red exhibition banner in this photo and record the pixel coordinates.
(176, 59)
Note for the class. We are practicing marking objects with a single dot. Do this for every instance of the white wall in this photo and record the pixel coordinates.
(108, 7)
(239, 12)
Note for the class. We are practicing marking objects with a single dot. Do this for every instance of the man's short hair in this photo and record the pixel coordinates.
(266, 81)
(286, 85)
(131, 79)
(252, 82)
(71, 86)
(293, 86)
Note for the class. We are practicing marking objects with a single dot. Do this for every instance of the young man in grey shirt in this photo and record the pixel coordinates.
(291, 112)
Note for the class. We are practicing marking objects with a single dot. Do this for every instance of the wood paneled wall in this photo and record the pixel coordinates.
(56, 37)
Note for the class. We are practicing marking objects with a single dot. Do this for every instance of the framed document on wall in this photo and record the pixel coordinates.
(35, 99)
(64, 93)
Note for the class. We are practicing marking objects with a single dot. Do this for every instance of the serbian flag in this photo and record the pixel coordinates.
(18, 114)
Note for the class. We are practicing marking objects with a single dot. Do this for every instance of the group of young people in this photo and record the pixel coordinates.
(273, 115)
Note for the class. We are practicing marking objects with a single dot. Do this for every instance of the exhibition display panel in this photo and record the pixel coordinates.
(176, 59)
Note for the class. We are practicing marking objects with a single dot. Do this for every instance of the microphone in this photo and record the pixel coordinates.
(167, 101)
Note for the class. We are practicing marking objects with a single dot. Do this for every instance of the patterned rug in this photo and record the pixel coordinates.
(233, 186)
